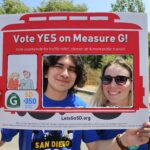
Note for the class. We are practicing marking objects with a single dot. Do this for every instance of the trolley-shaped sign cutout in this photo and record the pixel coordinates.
(35, 36)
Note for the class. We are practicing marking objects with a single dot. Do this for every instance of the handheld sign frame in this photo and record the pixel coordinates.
(33, 36)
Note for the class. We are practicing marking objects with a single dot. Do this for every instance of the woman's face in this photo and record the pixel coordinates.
(117, 95)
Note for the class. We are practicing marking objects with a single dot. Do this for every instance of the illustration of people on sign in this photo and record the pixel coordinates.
(13, 81)
(26, 82)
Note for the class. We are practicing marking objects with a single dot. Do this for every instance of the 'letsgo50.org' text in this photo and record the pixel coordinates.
(79, 117)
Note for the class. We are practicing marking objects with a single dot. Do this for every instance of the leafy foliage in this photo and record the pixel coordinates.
(94, 61)
(128, 6)
(127, 58)
(97, 61)
(17, 6)
(60, 5)
(13, 7)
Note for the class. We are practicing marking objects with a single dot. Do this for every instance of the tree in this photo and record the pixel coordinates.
(128, 6)
(13, 7)
(94, 61)
(60, 5)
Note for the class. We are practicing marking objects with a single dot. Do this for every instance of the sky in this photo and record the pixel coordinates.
(93, 5)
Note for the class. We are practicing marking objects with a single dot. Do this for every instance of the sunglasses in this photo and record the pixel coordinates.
(120, 80)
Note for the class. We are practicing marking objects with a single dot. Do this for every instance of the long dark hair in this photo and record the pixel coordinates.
(51, 60)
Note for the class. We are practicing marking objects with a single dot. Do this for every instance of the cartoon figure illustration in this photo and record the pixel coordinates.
(26, 83)
(13, 81)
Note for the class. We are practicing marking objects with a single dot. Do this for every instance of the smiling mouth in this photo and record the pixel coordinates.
(113, 93)
(63, 81)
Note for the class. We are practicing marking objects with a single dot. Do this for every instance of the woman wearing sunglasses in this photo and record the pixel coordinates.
(115, 90)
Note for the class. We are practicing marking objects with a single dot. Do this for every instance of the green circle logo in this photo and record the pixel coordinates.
(13, 100)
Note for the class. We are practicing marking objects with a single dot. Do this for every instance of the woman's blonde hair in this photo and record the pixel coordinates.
(99, 99)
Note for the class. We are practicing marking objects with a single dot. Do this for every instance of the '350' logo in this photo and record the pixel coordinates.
(13, 101)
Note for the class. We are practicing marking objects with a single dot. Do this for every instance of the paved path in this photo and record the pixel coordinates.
(13, 145)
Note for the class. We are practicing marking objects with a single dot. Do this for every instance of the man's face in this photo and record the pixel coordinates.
(26, 74)
(62, 76)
